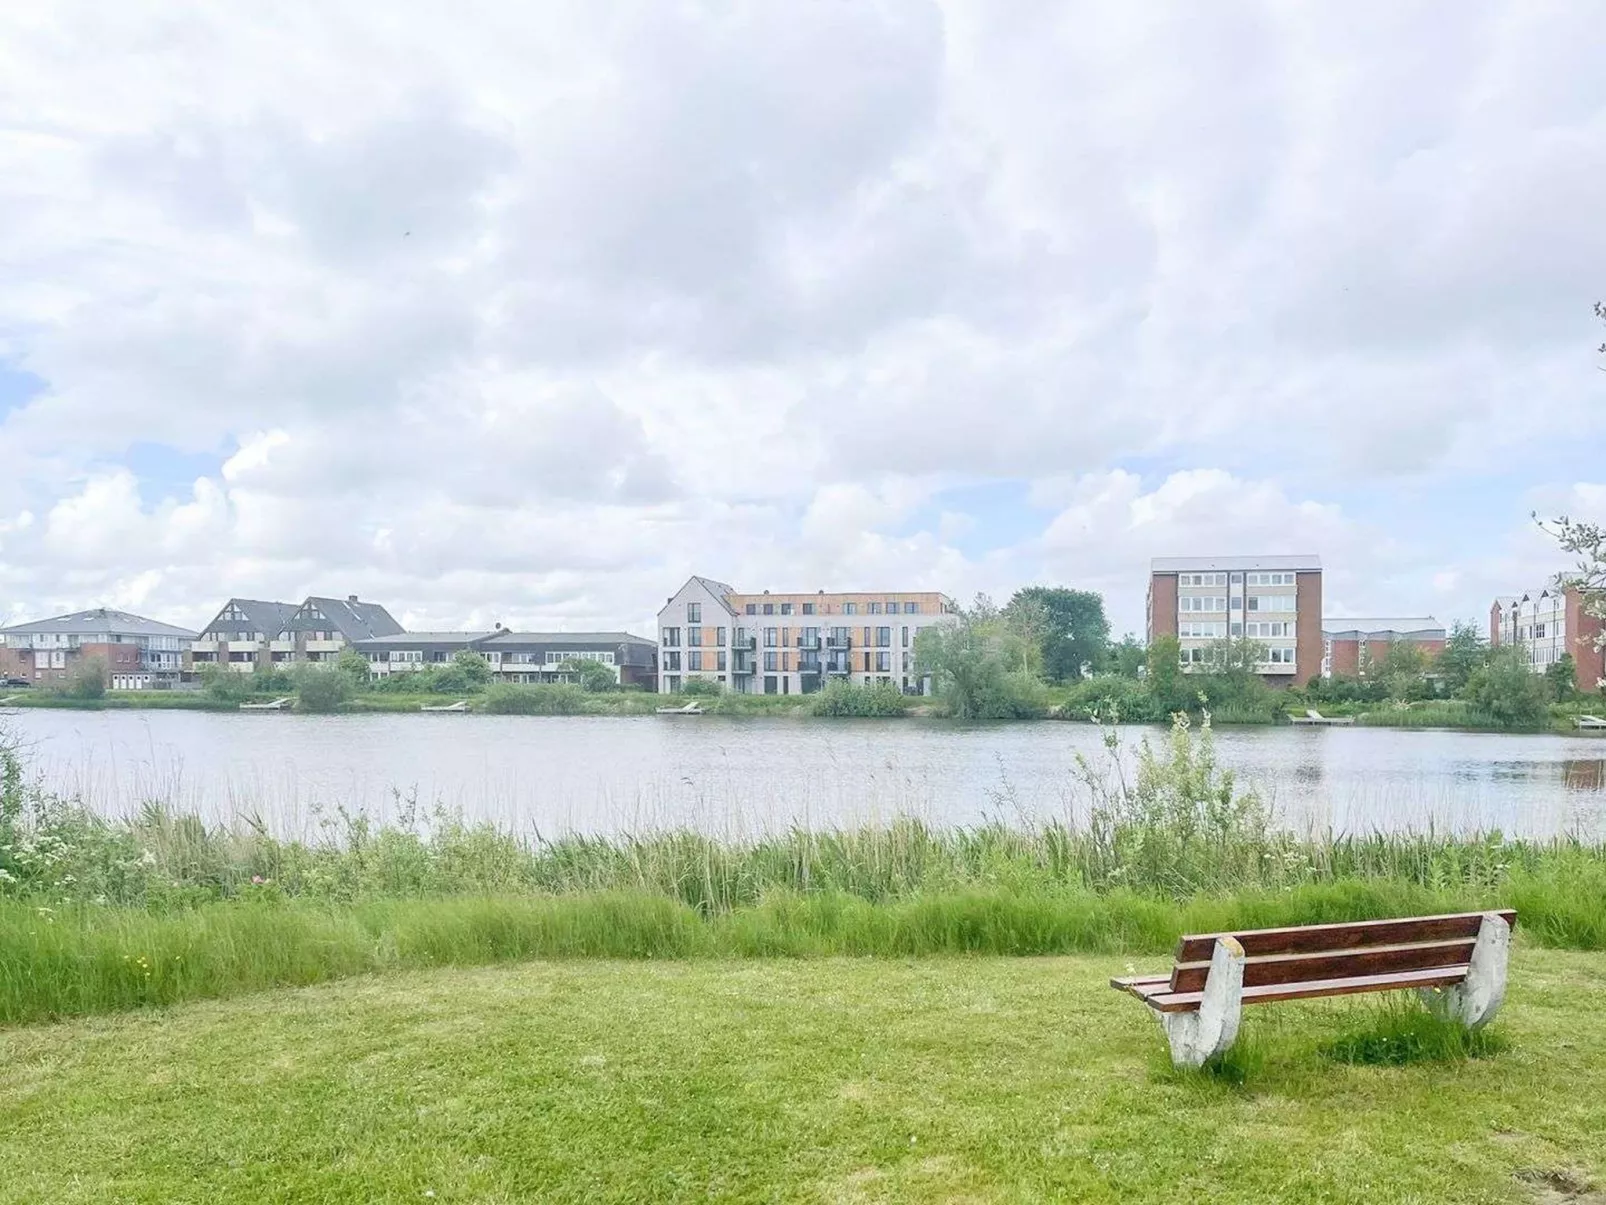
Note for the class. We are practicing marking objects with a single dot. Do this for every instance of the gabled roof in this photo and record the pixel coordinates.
(355, 620)
(97, 620)
(266, 617)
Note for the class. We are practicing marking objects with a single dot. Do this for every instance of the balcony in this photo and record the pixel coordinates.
(744, 642)
(807, 645)
(809, 668)
(839, 642)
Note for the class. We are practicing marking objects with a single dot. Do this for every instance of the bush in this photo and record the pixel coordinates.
(845, 699)
(87, 681)
(320, 689)
(1506, 692)
(561, 699)
(226, 686)
(700, 688)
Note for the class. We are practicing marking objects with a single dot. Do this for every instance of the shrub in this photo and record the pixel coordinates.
(225, 686)
(561, 699)
(320, 689)
(87, 681)
(846, 699)
(1507, 692)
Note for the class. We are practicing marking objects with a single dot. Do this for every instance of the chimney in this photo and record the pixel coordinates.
(351, 598)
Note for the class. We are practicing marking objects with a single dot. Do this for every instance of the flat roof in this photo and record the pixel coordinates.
(406, 638)
(1191, 564)
(1420, 623)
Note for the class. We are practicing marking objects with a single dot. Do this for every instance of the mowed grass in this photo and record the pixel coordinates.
(938, 1079)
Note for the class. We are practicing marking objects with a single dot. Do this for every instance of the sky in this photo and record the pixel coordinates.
(515, 313)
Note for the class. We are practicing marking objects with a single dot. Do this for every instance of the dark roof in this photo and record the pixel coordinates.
(355, 620)
(100, 619)
(401, 640)
(266, 617)
(506, 637)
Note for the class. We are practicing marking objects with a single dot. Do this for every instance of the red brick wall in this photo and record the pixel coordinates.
(1308, 642)
(1494, 623)
(16, 663)
(1346, 658)
(1582, 632)
(1162, 605)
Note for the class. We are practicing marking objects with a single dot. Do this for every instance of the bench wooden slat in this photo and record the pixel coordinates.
(1127, 983)
(1332, 964)
(1318, 939)
(1183, 1002)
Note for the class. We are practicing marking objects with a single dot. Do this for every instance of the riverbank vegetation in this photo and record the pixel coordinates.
(100, 914)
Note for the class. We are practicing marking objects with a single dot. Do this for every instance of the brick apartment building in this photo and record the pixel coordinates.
(1358, 648)
(134, 653)
(794, 643)
(1548, 625)
(1273, 600)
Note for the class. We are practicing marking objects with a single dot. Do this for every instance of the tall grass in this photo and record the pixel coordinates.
(98, 914)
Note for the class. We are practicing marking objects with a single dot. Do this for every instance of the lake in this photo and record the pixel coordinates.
(741, 776)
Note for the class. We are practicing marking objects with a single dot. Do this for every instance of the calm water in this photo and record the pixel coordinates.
(733, 776)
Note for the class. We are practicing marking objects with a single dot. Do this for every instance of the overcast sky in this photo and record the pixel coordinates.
(524, 312)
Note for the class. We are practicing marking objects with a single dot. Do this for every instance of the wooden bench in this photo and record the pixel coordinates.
(1458, 963)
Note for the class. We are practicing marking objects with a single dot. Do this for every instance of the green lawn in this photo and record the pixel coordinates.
(940, 1079)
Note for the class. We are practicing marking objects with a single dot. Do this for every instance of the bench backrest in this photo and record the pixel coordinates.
(1321, 952)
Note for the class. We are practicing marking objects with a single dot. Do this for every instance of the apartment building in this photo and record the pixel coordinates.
(771, 643)
(135, 653)
(1358, 648)
(1273, 600)
(1549, 624)
(250, 633)
(518, 657)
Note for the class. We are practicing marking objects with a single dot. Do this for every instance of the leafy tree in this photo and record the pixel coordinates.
(1164, 677)
(975, 663)
(321, 688)
(1561, 676)
(1069, 625)
(1508, 692)
(593, 675)
(226, 686)
(1127, 657)
(354, 665)
(474, 668)
(1404, 672)
(1464, 652)
(87, 680)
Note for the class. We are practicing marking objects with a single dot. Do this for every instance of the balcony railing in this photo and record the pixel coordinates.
(811, 668)
(839, 642)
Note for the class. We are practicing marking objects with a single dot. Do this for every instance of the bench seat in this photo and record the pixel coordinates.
(1457, 959)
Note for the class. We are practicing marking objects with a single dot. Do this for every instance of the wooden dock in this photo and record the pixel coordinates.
(276, 705)
(1317, 718)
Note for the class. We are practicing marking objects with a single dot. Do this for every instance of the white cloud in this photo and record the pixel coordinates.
(527, 315)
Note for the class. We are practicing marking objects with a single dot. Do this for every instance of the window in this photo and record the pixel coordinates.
(719, 661)
(808, 608)
(771, 638)
(867, 640)
(1280, 656)
(1237, 578)
(770, 662)
(1539, 631)
(911, 608)
(1201, 603)
(769, 608)
(883, 662)
(672, 685)
(719, 637)
(892, 606)
(694, 614)
(786, 663)
(752, 608)
(786, 608)
(694, 637)
(671, 638)
(875, 608)
(769, 686)
(671, 661)
(850, 608)
(1271, 602)
(883, 638)
(906, 636)
(694, 660)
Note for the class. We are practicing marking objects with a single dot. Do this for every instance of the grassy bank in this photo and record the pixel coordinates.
(834, 1080)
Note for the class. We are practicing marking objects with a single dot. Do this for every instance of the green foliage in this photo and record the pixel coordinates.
(86, 682)
(354, 665)
(976, 665)
(320, 688)
(1068, 628)
(700, 688)
(593, 676)
(1399, 1031)
(847, 699)
(1463, 655)
(1113, 698)
(1507, 692)
(1561, 678)
(1404, 672)
(225, 686)
(1164, 678)
(1341, 689)
(1127, 657)
(559, 699)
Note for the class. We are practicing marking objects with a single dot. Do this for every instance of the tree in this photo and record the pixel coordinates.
(975, 663)
(1074, 631)
(87, 680)
(475, 668)
(1127, 657)
(1405, 671)
(1561, 676)
(354, 665)
(591, 675)
(1463, 653)
(1164, 677)
(321, 688)
(1507, 691)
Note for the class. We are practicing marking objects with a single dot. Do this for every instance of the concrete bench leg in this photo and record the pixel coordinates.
(1197, 1037)
(1476, 999)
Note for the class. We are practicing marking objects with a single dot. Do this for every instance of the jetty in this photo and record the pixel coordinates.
(276, 705)
(1312, 716)
(692, 708)
(460, 706)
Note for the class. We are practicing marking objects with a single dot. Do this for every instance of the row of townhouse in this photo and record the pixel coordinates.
(520, 657)
(785, 643)
(1549, 624)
